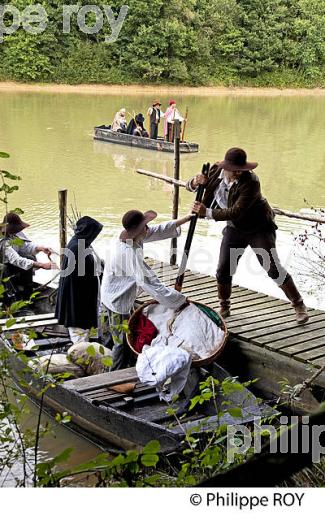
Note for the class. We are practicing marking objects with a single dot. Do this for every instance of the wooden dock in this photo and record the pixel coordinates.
(265, 340)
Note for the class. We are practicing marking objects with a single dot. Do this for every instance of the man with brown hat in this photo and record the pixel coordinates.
(126, 275)
(233, 194)
(155, 113)
(18, 254)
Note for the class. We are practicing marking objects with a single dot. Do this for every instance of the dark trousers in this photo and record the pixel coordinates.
(122, 355)
(263, 243)
(153, 131)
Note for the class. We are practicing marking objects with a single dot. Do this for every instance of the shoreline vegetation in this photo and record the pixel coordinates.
(155, 89)
(199, 43)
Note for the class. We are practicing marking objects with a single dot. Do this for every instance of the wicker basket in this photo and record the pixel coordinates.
(196, 363)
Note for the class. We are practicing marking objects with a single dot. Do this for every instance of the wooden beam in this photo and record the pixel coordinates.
(277, 211)
(177, 138)
(63, 199)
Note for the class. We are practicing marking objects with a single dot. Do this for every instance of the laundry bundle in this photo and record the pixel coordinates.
(180, 338)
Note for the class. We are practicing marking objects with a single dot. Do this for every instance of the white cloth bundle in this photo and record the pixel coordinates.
(191, 330)
(182, 337)
(155, 366)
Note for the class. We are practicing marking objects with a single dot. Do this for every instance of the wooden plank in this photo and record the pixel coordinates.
(296, 337)
(302, 347)
(264, 308)
(284, 330)
(319, 362)
(31, 325)
(294, 340)
(84, 384)
(249, 320)
(27, 319)
(312, 354)
(280, 321)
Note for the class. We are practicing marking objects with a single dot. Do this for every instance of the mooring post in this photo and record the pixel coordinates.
(177, 138)
(63, 199)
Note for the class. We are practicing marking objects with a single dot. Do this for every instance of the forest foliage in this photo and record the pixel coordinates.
(193, 42)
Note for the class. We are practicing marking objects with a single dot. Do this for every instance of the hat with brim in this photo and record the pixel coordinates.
(236, 160)
(134, 221)
(156, 102)
(12, 224)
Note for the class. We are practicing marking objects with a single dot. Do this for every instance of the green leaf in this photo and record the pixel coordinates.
(91, 351)
(63, 456)
(152, 447)
(149, 460)
(10, 322)
(235, 412)
(4, 155)
(107, 362)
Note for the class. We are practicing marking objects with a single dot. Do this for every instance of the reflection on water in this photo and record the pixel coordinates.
(49, 137)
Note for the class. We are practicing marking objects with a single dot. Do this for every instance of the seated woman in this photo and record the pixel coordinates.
(18, 258)
(136, 126)
(119, 122)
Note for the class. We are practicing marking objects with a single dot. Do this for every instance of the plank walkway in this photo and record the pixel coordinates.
(256, 318)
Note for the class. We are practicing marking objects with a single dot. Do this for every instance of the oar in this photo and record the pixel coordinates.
(188, 243)
(184, 126)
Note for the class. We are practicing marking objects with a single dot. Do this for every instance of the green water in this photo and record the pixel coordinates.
(49, 137)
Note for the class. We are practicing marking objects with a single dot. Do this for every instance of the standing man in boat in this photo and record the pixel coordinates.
(155, 113)
(233, 194)
(18, 256)
(126, 275)
(77, 304)
(172, 114)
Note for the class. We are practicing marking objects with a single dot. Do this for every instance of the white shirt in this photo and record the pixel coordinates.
(220, 195)
(174, 116)
(126, 274)
(15, 254)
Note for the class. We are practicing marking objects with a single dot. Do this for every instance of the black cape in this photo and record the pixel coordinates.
(77, 302)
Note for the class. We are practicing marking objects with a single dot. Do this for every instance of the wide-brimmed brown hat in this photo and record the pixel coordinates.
(134, 221)
(236, 160)
(156, 102)
(12, 224)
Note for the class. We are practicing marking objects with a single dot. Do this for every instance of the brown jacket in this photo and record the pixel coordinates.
(247, 209)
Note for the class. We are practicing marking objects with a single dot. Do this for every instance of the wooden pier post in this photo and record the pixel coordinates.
(63, 200)
(177, 138)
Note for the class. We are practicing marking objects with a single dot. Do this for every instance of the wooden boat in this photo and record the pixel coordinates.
(107, 416)
(104, 133)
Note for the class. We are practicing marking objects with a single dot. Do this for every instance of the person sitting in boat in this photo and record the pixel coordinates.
(119, 122)
(126, 275)
(78, 296)
(155, 113)
(18, 257)
(136, 127)
(172, 114)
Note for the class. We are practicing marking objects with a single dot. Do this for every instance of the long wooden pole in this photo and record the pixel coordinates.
(190, 234)
(177, 131)
(63, 202)
(277, 211)
(184, 125)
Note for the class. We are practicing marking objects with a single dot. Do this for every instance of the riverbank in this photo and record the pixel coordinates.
(99, 89)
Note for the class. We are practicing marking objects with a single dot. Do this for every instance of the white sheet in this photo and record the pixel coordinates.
(190, 329)
(156, 365)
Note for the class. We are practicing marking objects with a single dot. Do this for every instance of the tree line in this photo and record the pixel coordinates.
(192, 42)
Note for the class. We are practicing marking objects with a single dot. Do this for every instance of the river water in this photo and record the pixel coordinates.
(49, 137)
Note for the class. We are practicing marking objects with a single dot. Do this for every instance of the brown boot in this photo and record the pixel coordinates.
(292, 293)
(224, 293)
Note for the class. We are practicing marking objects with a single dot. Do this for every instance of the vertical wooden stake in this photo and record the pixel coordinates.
(177, 138)
(63, 199)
